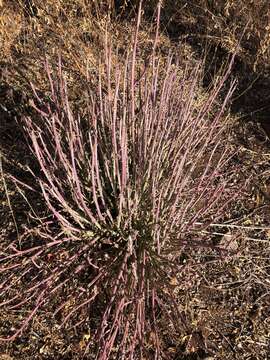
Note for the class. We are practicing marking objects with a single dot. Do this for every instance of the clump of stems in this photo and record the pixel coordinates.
(130, 185)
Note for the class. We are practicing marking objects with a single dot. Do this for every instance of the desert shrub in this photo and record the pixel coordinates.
(129, 186)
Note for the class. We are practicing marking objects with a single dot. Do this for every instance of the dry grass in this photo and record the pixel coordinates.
(223, 23)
